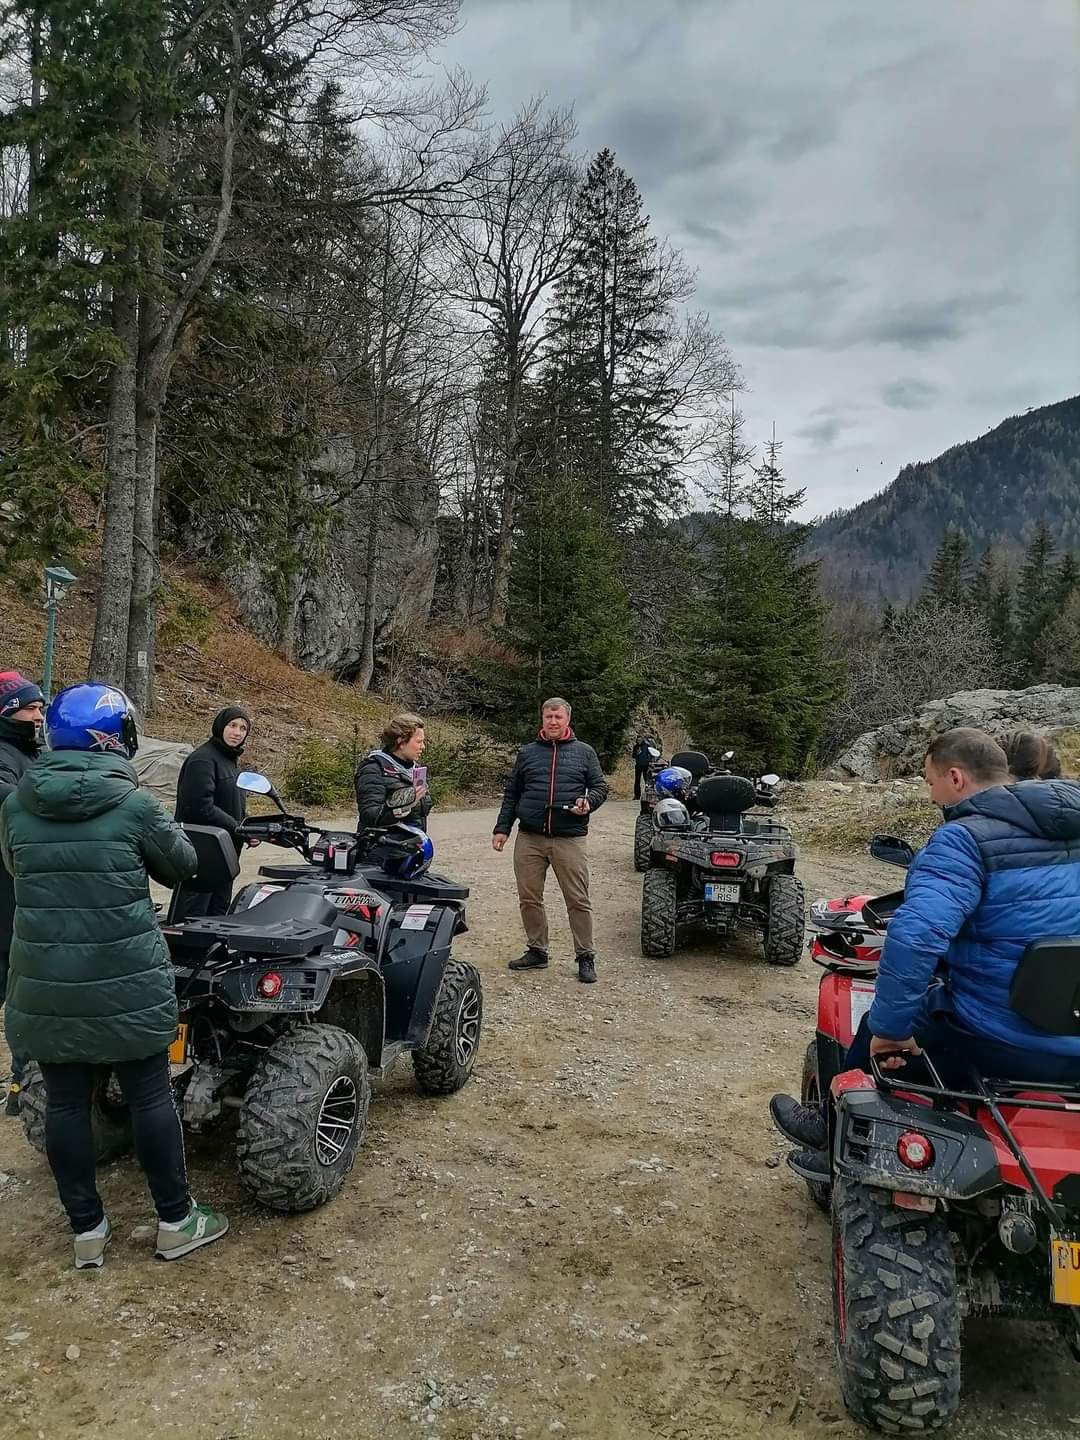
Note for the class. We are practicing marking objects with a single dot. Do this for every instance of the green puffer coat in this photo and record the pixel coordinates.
(90, 976)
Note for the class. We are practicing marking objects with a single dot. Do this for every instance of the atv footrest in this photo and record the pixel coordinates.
(285, 938)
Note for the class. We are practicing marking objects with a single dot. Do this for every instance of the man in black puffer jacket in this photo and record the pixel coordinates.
(22, 709)
(207, 794)
(555, 785)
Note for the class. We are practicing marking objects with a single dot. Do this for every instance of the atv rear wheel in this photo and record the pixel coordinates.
(786, 923)
(303, 1118)
(446, 1062)
(659, 905)
(820, 1193)
(110, 1119)
(643, 833)
(896, 1311)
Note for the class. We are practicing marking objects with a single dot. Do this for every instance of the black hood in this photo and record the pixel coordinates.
(226, 717)
(1050, 808)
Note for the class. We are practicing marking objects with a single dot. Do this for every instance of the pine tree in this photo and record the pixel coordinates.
(569, 617)
(949, 581)
(888, 620)
(604, 416)
(1066, 579)
(985, 583)
(1035, 598)
(1059, 644)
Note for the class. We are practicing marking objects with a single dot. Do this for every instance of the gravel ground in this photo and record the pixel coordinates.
(596, 1238)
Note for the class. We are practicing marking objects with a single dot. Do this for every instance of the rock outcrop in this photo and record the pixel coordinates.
(157, 764)
(898, 747)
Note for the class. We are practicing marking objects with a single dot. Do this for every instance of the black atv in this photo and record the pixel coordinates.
(289, 1003)
(721, 869)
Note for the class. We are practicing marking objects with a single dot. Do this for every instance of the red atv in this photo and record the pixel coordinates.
(946, 1201)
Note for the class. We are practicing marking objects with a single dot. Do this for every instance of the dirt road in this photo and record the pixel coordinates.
(595, 1239)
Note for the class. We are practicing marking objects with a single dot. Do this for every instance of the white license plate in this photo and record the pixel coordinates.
(722, 894)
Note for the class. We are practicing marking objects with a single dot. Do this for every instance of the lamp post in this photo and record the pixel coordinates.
(58, 582)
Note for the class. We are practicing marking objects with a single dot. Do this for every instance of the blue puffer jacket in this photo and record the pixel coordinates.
(1003, 870)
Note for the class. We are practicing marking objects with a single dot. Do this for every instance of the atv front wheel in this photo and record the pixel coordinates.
(446, 1062)
(786, 920)
(303, 1118)
(643, 833)
(896, 1311)
(110, 1119)
(811, 1095)
(659, 905)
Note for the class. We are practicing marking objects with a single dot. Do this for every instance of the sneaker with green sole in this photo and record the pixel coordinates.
(202, 1227)
(90, 1249)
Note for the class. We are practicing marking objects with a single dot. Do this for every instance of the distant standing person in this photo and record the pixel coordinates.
(387, 792)
(643, 758)
(22, 709)
(554, 787)
(207, 794)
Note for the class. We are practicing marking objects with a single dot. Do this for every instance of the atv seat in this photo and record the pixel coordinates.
(218, 862)
(693, 760)
(724, 799)
(291, 923)
(1045, 989)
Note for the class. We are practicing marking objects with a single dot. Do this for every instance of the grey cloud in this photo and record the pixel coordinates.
(924, 324)
(910, 394)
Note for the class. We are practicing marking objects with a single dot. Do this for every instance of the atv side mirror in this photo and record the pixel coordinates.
(728, 755)
(891, 851)
(770, 779)
(253, 782)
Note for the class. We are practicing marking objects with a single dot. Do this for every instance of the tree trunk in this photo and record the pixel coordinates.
(108, 654)
(145, 570)
(504, 545)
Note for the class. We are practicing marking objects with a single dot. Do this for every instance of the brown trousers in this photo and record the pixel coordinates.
(569, 858)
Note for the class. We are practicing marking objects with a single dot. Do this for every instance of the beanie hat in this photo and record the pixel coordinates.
(226, 717)
(16, 691)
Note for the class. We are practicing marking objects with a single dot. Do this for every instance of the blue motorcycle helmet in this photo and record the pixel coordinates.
(674, 782)
(405, 852)
(98, 718)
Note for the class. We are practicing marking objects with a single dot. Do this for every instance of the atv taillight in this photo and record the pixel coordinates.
(915, 1150)
(725, 858)
(271, 985)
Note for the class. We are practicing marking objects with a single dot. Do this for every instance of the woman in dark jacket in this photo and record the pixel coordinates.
(385, 790)
(206, 794)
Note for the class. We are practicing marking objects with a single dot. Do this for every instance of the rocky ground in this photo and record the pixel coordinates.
(597, 1238)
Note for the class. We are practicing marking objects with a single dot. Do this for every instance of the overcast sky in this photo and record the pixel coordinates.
(881, 197)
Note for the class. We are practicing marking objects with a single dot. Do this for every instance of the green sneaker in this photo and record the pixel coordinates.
(202, 1227)
(90, 1249)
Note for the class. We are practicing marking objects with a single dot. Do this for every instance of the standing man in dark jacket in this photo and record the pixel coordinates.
(207, 794)
(22, 709)
(645, 752)
(555, 785)
(91, 981)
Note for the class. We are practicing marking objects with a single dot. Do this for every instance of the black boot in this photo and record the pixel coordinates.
(801, 1124)
(531, 960)
(586, 969)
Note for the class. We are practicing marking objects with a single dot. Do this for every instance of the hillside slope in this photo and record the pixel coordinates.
(995, 489)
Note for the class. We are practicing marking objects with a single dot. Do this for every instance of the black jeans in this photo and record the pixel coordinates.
(159, 1142)
(955, 1050)
(641, 777)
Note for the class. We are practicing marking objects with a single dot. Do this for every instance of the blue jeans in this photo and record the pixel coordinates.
(955, 1050)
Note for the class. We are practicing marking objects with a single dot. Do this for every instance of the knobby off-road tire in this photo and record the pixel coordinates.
(446, 1061)
(896, 1312)
(643, 833)
(786, 926)
(659, 904)
(811, 1095)
(303, 1118)
(109, 1116)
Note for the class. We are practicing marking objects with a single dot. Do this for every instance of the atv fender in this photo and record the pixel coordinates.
(869, 1125)
(414, 957)
(356, 1004)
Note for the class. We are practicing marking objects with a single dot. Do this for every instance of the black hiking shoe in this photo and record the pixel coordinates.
(531, 960)
(811, 1165)
(586, 969)
(801, 1124)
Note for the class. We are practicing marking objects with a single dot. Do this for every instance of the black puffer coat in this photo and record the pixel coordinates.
(206, 792)
(548, 776)
(19, 748)
(385, 794)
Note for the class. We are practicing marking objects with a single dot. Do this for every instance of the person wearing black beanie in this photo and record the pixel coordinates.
(206, 794)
